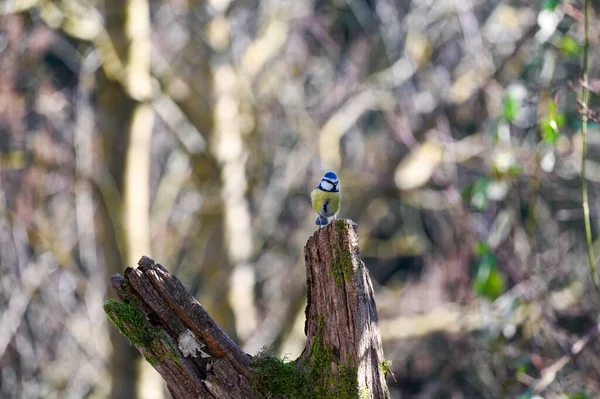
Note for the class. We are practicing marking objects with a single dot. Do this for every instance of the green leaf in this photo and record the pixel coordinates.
(551, 124)
(549, 131)
(510, 108)
(549, 4)
(569, 46)
(481, 248)
(479, 197)
(489, 283)
(523, 365)
(581, 395)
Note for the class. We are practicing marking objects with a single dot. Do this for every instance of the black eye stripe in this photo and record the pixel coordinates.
(330, 182)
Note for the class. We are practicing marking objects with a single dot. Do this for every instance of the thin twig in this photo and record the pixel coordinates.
(549, 373)
(591, 115)
(585, 94)
(590, 86)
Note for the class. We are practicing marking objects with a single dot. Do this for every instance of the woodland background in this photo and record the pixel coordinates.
(194, 131)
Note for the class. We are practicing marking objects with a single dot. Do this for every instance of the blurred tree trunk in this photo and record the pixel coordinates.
(230, 150)
(114, 115)
(125, 121)
(197, 103)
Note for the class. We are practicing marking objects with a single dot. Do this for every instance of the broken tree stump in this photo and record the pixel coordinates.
(341, 308)
(177, 336)
(343, 356)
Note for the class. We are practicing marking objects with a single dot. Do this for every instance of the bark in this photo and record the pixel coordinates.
(341, 307)
(177, 336)
(343, 357)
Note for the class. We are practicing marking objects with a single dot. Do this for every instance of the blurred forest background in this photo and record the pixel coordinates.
(194, 131)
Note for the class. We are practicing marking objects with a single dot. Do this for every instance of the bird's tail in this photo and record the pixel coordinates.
(321, 221)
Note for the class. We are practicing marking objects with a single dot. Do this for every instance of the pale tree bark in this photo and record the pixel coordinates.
(230, 151)
(127, 149)
(137, 162)
(343, 357)
(193, 94)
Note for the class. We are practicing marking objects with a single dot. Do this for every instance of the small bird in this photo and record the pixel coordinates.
(326, 198)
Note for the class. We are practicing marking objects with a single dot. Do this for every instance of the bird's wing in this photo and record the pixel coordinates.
(335, 202)
(317, 198)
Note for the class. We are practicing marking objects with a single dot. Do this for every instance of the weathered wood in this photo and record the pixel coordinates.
(177, 336)
(341, 308)
(343, 357)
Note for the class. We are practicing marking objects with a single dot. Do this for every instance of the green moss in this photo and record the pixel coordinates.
(313, 379)
(131, 321)
(347, 386)
(172, 352)
(386, 367)
(278, 377)
(319, 367)
(341, 267)
(161, 349)
(341, 225)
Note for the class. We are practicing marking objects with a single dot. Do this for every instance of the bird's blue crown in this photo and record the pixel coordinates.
(329, 183)
(330, 176)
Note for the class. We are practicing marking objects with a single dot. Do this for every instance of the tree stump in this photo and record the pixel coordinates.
(343, 356)
(341, 308)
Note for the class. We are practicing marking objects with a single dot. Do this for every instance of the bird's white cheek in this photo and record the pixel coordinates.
(326, 185)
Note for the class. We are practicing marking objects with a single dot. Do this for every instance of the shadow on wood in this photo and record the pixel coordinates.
(343, 357)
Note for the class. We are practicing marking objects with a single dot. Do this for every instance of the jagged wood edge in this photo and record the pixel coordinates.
(217, 369)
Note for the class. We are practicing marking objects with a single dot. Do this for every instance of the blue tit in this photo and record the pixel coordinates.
(326, 198)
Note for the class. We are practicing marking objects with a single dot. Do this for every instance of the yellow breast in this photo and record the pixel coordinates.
(325, 203)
